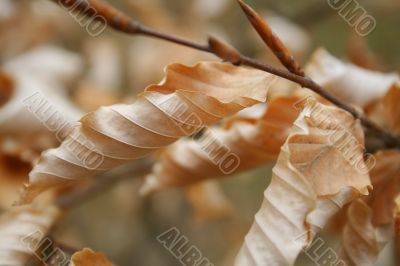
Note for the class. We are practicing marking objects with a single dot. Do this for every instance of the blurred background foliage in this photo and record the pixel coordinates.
(119, 222)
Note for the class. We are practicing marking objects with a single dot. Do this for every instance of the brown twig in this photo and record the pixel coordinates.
(121, 22)
(288, 60)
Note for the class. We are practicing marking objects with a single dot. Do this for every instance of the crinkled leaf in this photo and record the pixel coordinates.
(311, 181)
(251, 142)
(188, 99)
(360, 240)
(348, 82)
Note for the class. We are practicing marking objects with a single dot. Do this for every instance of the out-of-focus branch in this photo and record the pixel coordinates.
(104, 182)
(119, 21)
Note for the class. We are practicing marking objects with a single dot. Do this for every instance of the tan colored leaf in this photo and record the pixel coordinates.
(392, 108)
(251, 142)
(313, 178)
(208, 201)
(188, 99)
(21, 231)
(386, 111)
(369, 223)
(360, 240)
(88, 257)
(385, 178)
(348, 82)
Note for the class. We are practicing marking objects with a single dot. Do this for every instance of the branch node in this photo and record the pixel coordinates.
(224, 51)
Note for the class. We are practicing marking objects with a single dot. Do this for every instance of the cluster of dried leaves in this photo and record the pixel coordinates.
(188, 122)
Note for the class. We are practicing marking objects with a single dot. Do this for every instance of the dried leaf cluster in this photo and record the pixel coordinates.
(334, 143)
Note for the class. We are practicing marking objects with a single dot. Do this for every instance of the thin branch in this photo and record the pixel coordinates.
(121, 22)
(288, 60)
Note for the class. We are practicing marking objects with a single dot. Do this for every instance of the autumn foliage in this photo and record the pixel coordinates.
(329, 130)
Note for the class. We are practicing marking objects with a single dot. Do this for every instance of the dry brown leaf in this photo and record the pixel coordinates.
(368, 224)
(311, 181)
(252, 141)
(21, 231)
(88, 257)
(284, 88)
(348, 82)
(360, 245)
(386, 111)
(208, 202)
(385, 178)
(392, 108)
(188, 99)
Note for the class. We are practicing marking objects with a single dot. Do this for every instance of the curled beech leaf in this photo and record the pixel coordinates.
(250, 141)
(348, 82)
(386, 111)
(187, 100)
(368, 225)
(360, 239)
(313, 178)
(385, 178)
